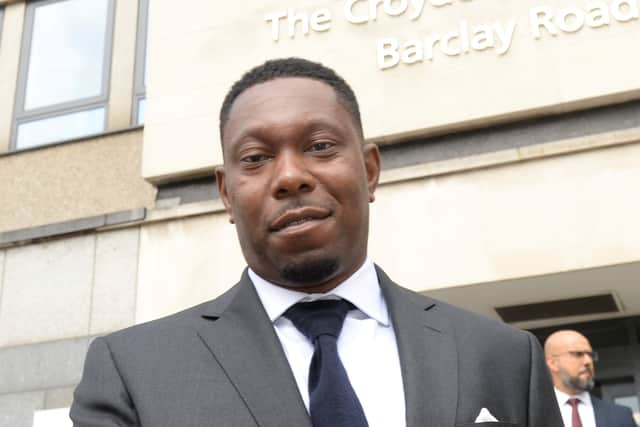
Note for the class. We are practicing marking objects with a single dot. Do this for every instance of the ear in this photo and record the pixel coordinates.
(552, 364)
(371, 155)
(222, 190)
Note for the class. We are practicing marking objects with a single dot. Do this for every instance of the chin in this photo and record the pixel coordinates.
(310, 272)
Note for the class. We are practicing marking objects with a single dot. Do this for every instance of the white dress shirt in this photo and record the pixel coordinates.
(367, 344)
(585, 408)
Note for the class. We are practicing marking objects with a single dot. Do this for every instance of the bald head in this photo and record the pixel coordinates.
(569, 357)
(560, 341)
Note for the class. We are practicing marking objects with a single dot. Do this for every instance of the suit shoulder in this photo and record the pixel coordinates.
(469, 320)
(606, 405)
(473, 329)
(462, 321)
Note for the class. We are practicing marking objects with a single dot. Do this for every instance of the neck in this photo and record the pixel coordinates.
(571, 392)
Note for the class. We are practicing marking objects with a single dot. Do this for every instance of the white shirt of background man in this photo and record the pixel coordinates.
(585, 408)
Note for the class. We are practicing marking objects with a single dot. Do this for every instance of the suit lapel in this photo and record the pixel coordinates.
(598, 412)
(428, 356)
(243, 341)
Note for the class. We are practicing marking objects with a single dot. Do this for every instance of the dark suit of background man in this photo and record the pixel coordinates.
(570, 359)
(297, 181)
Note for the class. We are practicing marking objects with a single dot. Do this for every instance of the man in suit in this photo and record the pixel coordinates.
(570, 359)
(297, 181)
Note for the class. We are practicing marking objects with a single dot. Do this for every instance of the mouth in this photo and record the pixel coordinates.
(298, 217)
(586, 372)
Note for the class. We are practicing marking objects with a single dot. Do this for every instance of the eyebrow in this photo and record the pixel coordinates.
(310, 126)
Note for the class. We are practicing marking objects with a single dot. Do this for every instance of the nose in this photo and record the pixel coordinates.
(291, 175)
(588, 361)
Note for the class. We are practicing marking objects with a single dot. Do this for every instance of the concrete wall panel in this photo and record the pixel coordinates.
(185, 262)
(114, 289)
(59, 397)
(47, 291)
(2, 259)
(528, 218)
(45, 366)
(16, 410)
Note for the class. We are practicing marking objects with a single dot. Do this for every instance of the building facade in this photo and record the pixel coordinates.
(510, 141)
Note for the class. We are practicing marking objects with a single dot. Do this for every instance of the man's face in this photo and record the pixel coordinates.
(572, 366)
(297, 183)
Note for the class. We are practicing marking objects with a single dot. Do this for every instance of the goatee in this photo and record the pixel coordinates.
(578, 384)
(310, 272)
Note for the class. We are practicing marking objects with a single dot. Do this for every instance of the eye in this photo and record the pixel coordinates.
(321, 146)
(253, 159)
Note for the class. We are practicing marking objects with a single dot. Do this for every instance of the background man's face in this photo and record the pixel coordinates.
(569, 364)
(297, 182)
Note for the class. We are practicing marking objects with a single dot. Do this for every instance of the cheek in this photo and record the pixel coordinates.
(355, 198)
(354, 208)
(245, 194)
(348, 181)
(246, 207)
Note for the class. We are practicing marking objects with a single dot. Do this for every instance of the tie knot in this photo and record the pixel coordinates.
(574, 402)
(322, 317)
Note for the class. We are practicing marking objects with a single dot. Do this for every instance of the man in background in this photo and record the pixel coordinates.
(570, 359)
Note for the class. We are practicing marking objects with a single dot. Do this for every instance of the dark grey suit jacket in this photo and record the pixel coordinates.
(608, 414)
(221, 364)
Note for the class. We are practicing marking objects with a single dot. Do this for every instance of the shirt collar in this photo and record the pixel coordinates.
(562, 397)
(360, 289)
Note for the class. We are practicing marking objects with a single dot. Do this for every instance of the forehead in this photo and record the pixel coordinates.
(285, 101)
(576, 342)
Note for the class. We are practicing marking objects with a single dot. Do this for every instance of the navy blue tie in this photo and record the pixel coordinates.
(332, 401)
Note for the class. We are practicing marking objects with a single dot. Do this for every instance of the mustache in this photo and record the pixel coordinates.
(588, 370)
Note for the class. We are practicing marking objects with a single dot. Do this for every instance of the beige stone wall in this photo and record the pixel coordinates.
(522, 219)
(492, 221)
(185, 261)
(75, 180)
(68, 288)
(55, 296)
(196, 52)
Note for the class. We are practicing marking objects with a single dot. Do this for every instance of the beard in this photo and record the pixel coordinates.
(576, 383)
(310, 273)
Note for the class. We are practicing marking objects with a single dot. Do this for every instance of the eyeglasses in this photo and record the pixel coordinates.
(593, 355)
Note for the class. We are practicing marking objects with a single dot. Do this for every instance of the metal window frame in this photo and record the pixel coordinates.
(1, 21)
(101, 100)
(139, 88)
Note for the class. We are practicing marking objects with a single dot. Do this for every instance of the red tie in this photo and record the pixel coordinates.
(575, 416)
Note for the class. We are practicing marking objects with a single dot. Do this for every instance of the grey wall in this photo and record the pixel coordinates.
(54, 297)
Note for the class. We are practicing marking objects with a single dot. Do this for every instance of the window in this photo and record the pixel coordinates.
(1, 16)
(64, 71)
(140, 89)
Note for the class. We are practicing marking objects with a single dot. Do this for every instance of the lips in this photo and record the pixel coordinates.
(299, 216)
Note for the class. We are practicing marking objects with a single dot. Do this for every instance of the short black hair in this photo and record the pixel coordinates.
(292, 67)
